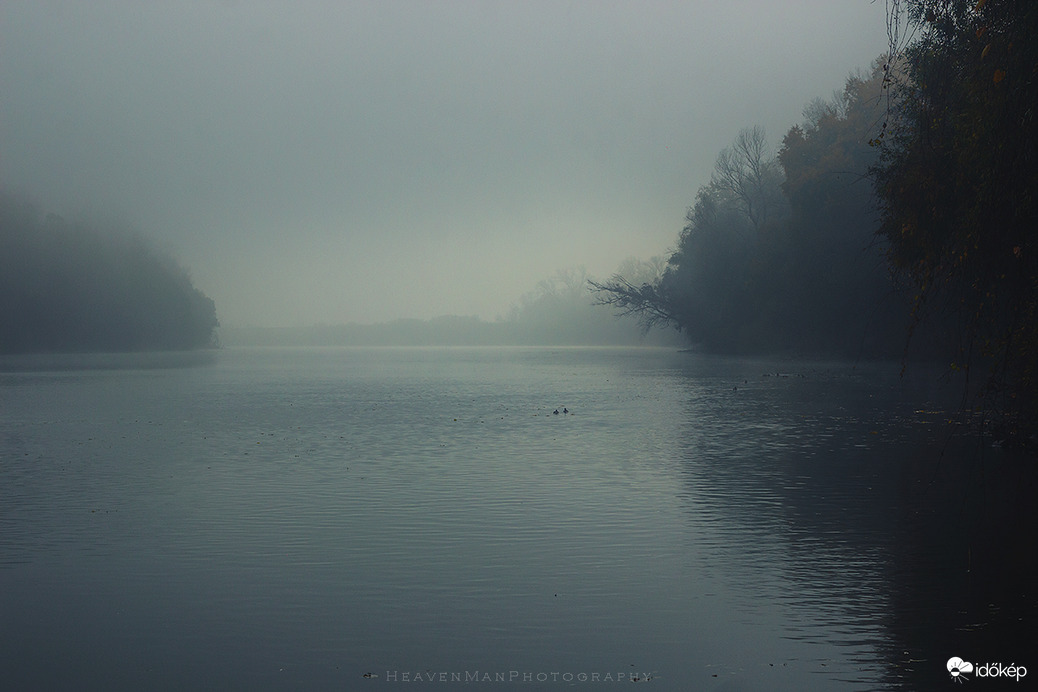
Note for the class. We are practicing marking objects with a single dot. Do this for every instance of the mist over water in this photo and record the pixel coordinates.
(311, 375)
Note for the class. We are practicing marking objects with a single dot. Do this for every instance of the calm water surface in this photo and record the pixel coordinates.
(356, 519)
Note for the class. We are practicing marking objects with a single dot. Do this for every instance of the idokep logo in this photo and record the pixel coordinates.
(960, 670)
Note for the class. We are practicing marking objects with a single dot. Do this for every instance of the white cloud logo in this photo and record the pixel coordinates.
(958, 668)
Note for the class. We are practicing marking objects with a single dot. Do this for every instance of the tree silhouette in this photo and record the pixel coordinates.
(67, 287)
(778, 252)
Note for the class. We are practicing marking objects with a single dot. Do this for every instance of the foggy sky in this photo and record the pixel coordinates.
(362, 161)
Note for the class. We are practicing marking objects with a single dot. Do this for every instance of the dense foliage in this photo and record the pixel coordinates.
(65, 287)
(958, 186)
(779, 252)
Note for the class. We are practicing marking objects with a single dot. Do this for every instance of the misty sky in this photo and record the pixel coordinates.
(362, 161)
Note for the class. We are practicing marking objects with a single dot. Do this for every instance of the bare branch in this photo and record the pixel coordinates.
(745, 171)
(647, 302)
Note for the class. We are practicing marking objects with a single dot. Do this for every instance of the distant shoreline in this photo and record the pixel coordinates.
(448, 331)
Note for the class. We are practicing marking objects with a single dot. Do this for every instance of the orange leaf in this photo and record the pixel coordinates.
(999, 76)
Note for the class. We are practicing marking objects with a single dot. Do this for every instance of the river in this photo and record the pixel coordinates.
(405, 518)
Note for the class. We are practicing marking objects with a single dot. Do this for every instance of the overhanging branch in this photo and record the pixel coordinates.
(645, 302)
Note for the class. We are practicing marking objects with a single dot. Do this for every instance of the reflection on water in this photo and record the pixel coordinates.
(904, 539)
(301, 518)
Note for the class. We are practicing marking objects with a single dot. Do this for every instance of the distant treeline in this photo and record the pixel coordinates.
(447, 330)
(558, 312)
(68, 287)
